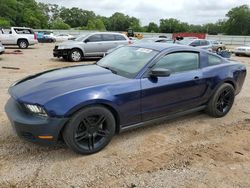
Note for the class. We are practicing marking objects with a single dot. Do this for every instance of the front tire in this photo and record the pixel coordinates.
(90, 130)
(222, 101)
(75, 55)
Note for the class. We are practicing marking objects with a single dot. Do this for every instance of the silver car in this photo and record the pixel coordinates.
(92, 45)
(217, 46)
(199, 43)
(1, 48)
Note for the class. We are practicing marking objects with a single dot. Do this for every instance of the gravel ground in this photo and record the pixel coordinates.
(192, 151)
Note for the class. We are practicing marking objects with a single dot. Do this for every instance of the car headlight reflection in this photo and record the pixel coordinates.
(35, 109)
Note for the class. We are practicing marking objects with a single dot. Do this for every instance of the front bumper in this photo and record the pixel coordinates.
(60, 53)
(31, 127)
(1, 50)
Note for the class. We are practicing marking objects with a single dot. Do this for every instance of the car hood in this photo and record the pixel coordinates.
(70, 42)
(45, 86)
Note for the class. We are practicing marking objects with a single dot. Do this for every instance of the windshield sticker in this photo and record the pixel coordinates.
(144, 50)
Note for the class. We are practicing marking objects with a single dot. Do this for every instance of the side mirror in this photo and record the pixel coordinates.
(160, 72)
(86, 41)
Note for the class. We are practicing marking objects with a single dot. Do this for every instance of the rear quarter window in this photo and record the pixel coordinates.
(24, 31)
(108, 37)
(214, 60)
(119, 37)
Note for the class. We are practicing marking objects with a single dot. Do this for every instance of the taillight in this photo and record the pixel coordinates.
(35, 37)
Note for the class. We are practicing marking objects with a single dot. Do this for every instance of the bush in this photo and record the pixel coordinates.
(4, 22)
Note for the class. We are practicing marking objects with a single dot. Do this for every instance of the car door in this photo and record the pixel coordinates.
(121, 40)
(108, 42)
(205, 45)
(182, 90)
(93, 45)
(195, 43)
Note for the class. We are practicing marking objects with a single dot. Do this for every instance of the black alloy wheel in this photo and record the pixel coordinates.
(90, 130)
(222, 101)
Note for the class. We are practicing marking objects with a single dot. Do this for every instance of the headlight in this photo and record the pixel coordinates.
(62, 47)
(35, 109)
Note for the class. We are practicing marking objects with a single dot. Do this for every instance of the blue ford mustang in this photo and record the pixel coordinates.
(133, 86)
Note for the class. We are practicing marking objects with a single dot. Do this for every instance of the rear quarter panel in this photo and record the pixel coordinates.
(227, 72)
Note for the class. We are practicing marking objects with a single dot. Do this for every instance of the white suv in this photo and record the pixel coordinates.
(21, 36)
(1, 49)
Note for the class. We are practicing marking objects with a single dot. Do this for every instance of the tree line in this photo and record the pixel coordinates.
(29, 13)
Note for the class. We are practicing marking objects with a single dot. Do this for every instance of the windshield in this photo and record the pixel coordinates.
(80, 38)
(127, 61)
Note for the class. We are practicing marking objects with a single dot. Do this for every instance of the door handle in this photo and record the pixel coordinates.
(196, 77)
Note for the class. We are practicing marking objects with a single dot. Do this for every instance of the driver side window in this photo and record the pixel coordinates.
(179, 62)
(195, 43)
(95, 38)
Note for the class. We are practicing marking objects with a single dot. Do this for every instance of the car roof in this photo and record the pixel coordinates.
(164, 46)
(21, 27)
(114, 33)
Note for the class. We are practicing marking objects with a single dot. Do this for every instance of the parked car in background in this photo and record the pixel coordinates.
(134, 86)
(45, 37)
(242, 50)
(217, 46)
(92, 45)
(64, 37)
(198, 43)
(154, 39)
(21, 36)
(2, 49)
(144, 40)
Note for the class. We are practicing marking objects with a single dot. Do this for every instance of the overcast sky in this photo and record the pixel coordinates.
(191, 11)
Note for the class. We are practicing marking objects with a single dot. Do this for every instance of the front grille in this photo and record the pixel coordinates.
(27, 135)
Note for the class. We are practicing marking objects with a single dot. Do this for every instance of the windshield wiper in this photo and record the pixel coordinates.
(108, 68)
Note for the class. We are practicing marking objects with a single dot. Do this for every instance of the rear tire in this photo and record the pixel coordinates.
(237, 54)
(222, 101)
(219, 49)
(90, 130)
(75, 55)
(23, 44)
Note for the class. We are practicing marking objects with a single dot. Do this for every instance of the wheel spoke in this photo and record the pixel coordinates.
(81, 136)
(102, 133)
(100, 120)
(86, 122)
(227, 93)
(91, 142)
(226, 101)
